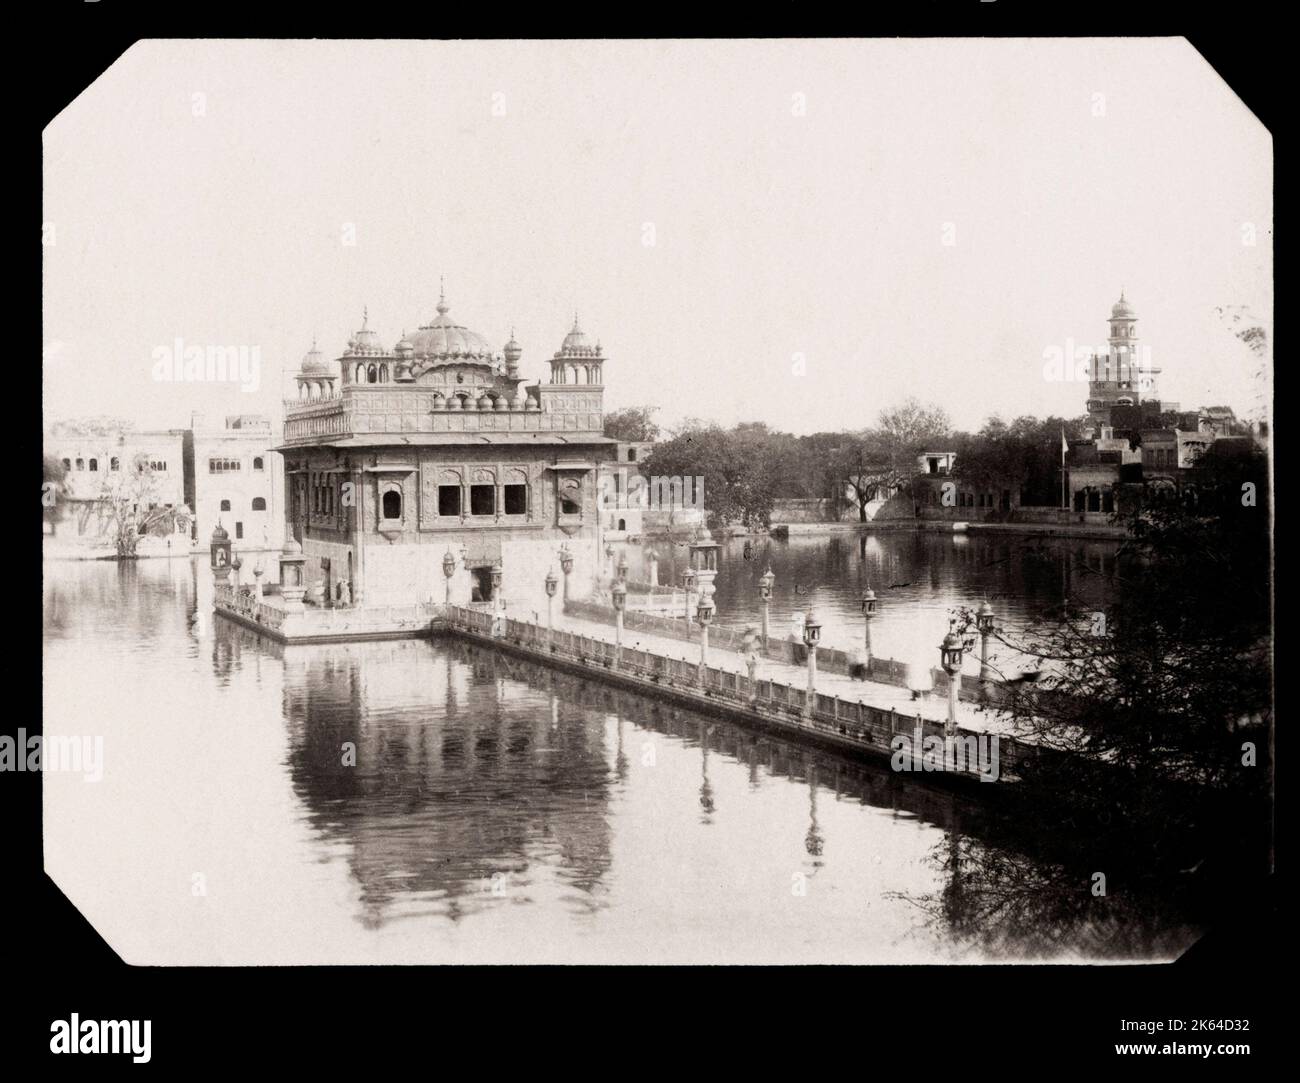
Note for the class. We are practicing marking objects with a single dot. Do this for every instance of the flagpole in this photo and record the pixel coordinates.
(1064, 504)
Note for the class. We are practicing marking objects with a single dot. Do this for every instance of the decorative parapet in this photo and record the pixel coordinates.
(846, 722)
(242, 602)
(396, 410)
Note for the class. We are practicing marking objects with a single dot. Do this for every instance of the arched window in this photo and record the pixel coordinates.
(81, 464)
(372, 375)
(622, 524)
(259, 503)
(631, 454)
(361, 374)
(94, 464)
(67, 464)
(225, 505)
(113, 463)
(257, 464)
(383, 374)
(392, 504)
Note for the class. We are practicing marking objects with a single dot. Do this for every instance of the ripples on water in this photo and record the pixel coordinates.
(498, 811)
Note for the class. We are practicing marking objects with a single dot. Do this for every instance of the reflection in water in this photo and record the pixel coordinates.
(456, 812)
(917, 575)
(998, 902)
(417, 801)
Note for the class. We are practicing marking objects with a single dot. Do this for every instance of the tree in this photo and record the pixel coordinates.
(905, 431)
(128, 506)
(864, 469)
(54, 490)
(879, 462)
(633, 425)
(1023, 456)
(1159, 708)
(737, 469)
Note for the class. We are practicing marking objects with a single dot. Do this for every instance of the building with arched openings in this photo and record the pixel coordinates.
(232, 477)
(397, 456)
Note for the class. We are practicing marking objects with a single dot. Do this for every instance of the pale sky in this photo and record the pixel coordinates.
(798, 195)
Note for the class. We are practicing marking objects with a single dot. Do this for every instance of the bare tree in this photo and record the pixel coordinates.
(128, 506)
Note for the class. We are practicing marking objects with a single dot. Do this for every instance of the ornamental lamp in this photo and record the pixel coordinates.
(812, 628)
(950, 651)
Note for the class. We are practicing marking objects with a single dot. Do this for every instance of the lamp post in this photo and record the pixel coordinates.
(566, 566)
(950, 654)
(704, 617)
(868, 614)
(688, 581)
(620, 603)
(622, 568)
(609, 556)
(812, 633)
(551, 584)
(984, 622)
(497, 609)
(448, 570)
(220, 547)
(765, 582)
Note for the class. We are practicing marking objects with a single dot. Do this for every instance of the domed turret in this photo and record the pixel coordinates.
(365, 343)
(577, 344)
(577, 361)
(1122, 310)
(513, 352)
(314, 363)
(317, 376)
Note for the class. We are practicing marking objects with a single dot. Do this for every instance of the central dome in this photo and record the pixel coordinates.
(444, 339)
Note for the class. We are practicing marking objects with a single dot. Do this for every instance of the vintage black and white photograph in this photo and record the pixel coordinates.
(662, 501)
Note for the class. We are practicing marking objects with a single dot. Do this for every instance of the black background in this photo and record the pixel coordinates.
(575, 1020)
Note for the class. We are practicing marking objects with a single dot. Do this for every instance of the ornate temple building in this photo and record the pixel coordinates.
(396, 457)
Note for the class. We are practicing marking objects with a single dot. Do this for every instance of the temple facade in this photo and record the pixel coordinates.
(437, 454)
